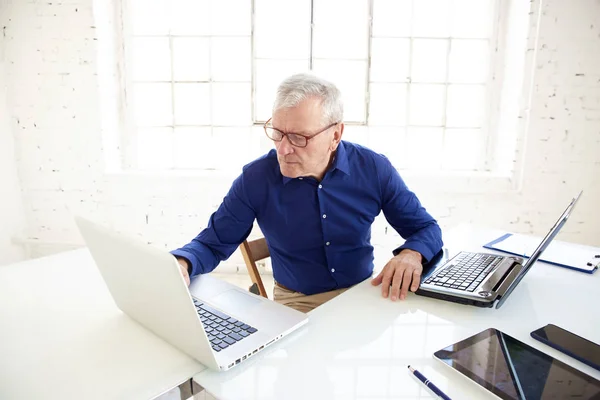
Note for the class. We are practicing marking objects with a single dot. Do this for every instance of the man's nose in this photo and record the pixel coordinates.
(284, 147)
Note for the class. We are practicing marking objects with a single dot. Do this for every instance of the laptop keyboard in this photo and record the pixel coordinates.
(466, 272)
(222, 330)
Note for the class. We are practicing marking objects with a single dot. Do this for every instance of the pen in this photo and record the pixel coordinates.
(428, 383)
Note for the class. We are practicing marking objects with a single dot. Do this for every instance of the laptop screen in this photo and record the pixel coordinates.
(540, 249)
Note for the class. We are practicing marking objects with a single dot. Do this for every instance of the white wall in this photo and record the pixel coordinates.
(52, 87)
(12, 216)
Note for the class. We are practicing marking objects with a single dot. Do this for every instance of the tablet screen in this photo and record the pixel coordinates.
(514, 370)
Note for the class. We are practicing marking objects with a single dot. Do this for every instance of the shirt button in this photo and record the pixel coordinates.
(327, 244)
(320, 186)
(332, 269)
(324, 215)
(300, 178)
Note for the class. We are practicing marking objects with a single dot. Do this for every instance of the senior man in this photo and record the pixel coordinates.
(314, 198)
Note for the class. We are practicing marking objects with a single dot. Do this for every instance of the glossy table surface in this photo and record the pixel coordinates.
(63, 337)
(358, 345)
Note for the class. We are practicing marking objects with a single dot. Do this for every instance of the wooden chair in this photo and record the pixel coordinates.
(254, 251)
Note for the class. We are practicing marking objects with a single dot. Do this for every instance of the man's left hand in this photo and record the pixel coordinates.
(401, 272)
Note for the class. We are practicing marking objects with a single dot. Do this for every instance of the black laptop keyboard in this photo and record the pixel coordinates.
(466, 271)
(222, 330)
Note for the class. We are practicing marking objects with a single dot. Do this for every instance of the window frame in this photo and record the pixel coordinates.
(128, 135)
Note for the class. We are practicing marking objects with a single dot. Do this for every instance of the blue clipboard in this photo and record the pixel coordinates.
(492, 246)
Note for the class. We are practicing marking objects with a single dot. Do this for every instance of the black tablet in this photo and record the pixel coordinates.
(514, 370)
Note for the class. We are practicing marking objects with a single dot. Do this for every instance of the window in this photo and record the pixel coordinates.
(189, 81)
(430, 81)
(418, 75)
(293, 36)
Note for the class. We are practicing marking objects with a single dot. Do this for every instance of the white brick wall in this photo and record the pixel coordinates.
(12, 215)
(51, 71)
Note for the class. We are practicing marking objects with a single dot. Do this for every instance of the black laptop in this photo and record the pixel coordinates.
(482, 279)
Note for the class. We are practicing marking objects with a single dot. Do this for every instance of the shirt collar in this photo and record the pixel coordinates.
(340, 161)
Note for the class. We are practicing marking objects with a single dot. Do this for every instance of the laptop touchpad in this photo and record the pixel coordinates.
(235, 301)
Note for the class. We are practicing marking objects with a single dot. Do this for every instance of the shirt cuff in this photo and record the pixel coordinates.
(191, 258)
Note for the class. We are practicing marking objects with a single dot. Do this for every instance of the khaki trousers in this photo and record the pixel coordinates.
(302, 302)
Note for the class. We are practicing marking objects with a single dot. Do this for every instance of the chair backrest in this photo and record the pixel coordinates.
(254, 251)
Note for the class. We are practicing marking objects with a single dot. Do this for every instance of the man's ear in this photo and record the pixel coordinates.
(337, 136)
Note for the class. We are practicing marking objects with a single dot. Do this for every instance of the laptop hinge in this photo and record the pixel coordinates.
(496, 278)
(508, 278)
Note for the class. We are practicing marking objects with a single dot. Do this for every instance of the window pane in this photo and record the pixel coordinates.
(427, 104)
(232, 145)
(391, 142)
(264, 143)
(192, 103)
(465, 105)
(193, 147)
(154, 148)
(269, 74)
(431, 18)
(469, 61)
(425, 146)
(231, 104)
(387, 105)
(230, 17)
(152, 104)
(464, 149)
(392, 18)
(188, 17)
(390, 60)
(191, 61)
(356, 134)
(148, 20)
(282, 29)
(350, 77)
(231, 59)
(429, 60)
(151, 59)
(341, 36)
(472, 18)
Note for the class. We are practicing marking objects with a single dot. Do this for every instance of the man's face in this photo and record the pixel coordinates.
(304, 119)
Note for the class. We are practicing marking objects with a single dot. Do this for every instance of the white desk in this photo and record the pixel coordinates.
(62, 337)
(358, 345)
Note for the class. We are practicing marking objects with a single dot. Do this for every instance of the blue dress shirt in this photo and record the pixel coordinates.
(318, 233)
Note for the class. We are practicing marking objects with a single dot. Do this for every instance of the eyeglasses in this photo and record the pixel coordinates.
(295, 138)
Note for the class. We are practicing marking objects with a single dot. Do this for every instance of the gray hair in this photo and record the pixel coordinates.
(299, 87)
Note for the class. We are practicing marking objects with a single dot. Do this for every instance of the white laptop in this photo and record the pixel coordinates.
(214, 322)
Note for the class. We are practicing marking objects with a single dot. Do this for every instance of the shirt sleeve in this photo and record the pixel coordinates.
(227, 228)
(404, 212)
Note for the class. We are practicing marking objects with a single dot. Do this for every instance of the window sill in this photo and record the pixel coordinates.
(174, 173)
(459, 182)
(421, 181)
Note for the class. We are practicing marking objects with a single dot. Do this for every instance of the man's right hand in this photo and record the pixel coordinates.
(184, 270)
